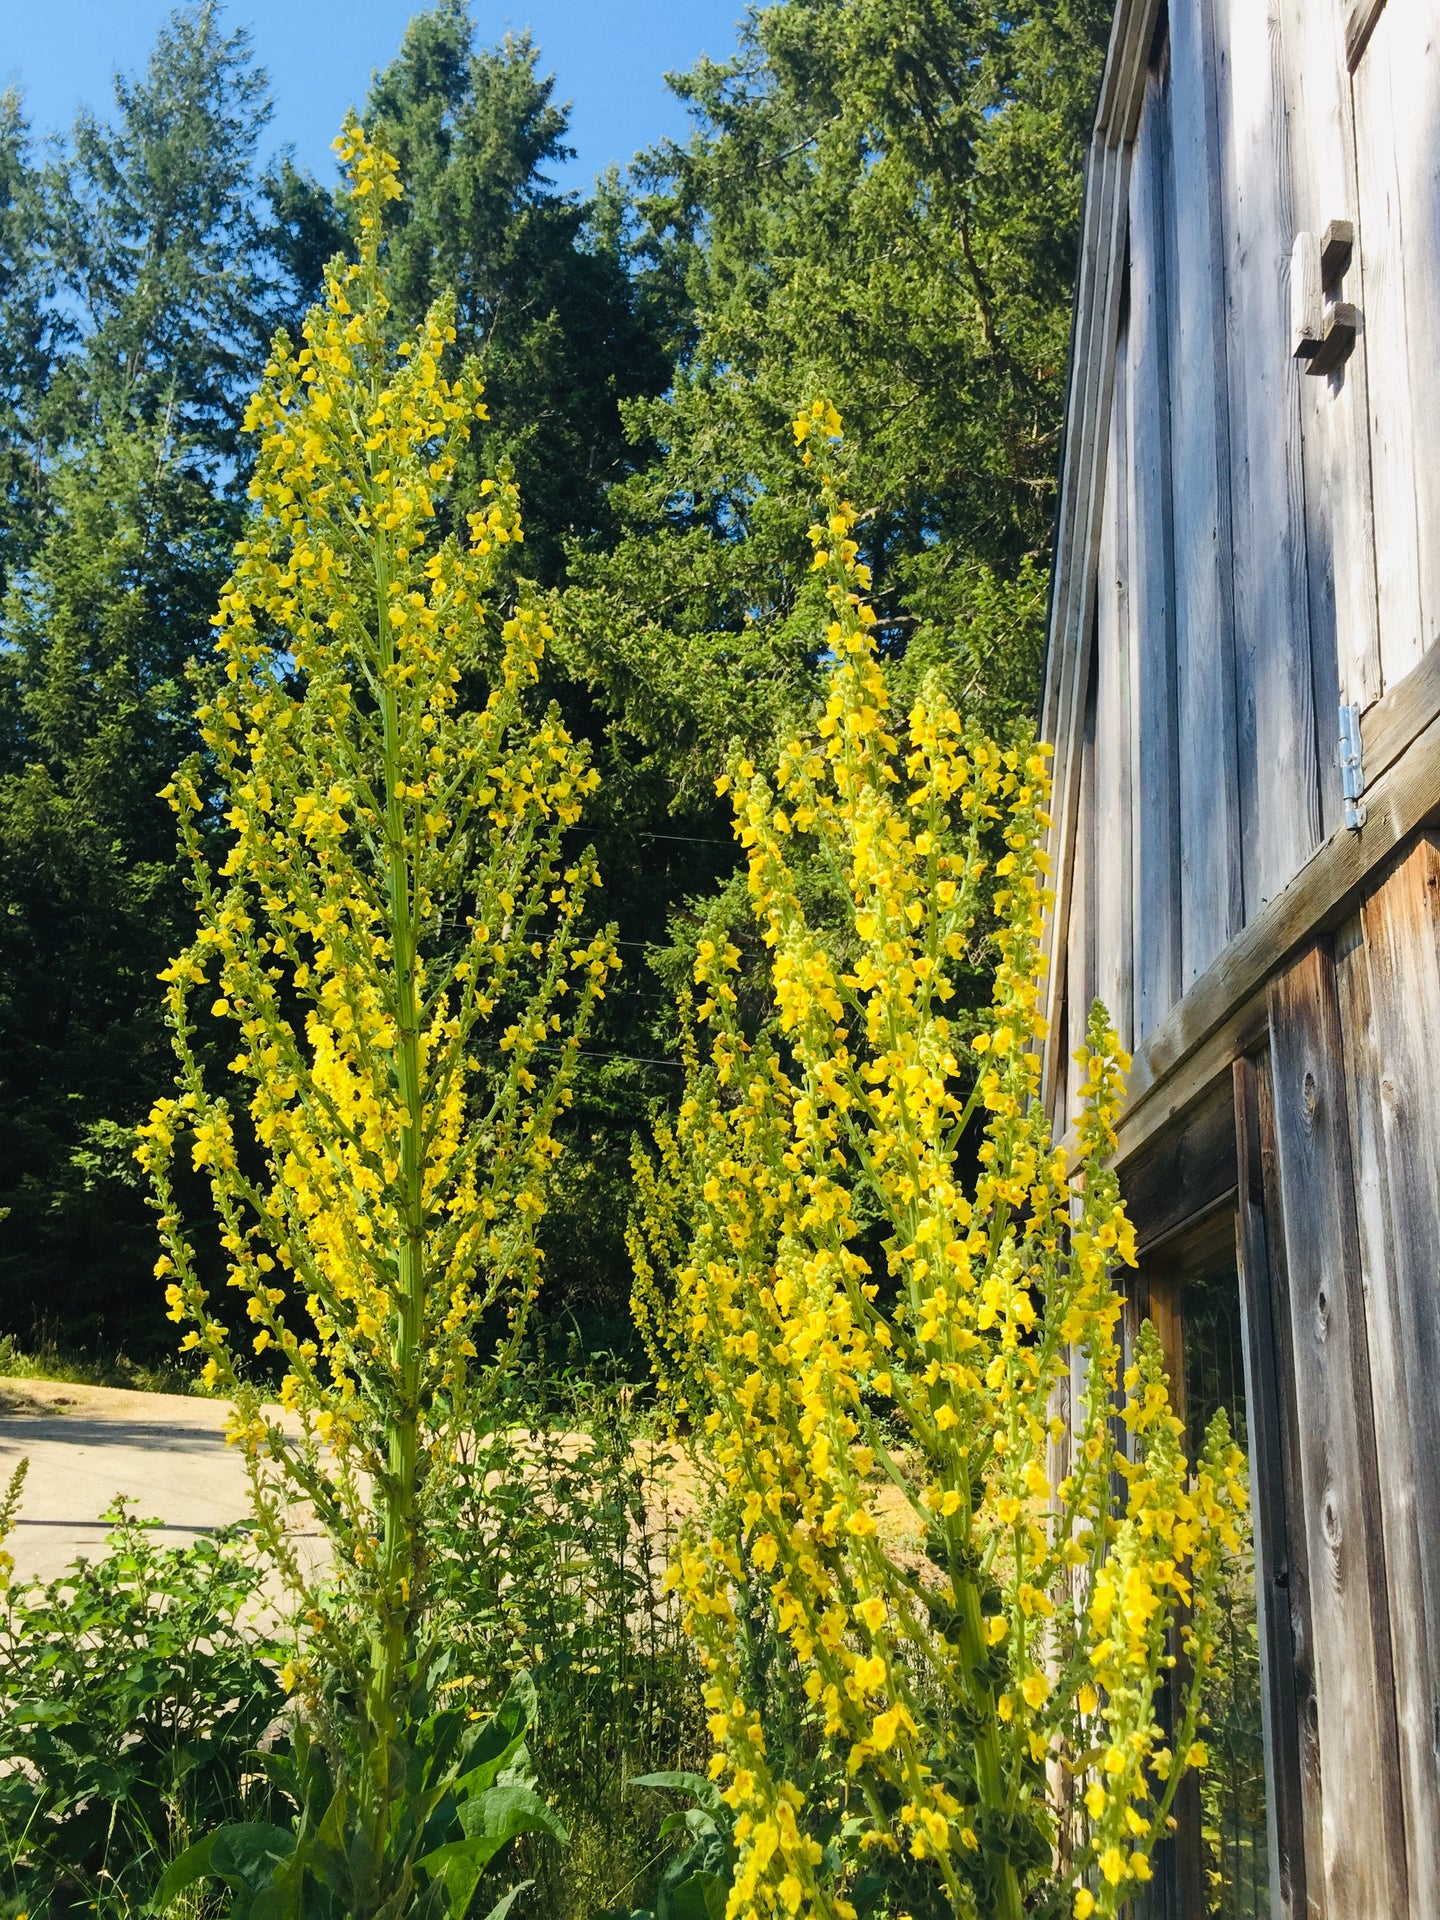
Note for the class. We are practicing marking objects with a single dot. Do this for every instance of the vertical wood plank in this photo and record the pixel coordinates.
(1362, 1832)
(1155, 834)
(1334, 419)
(1302, 1626)
(1113, 728)
(1211, 900)
(1080, 944)
(1287, 1683)
(1394, 407)
(1274, 703)
(1068, 656)
(1388, 966)
(1406, 39)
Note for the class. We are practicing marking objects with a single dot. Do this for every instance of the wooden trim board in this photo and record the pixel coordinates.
(1389, 726)
(1082, 488)
(1122, 84)
(1222, 1013)
(1287, 1679)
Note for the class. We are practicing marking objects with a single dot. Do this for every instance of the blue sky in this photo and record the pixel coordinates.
(608, 57)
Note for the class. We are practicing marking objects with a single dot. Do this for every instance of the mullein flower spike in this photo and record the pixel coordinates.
(989, 1703)
(394, 928)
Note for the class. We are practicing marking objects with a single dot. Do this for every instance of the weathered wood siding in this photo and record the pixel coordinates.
(1388, 967)
(1264, 541)
(1335, 1498)
(1396, 90)
(1242, 546)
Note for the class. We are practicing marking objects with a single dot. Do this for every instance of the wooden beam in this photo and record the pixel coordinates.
(1240, 1033)
(1185, 1172)
(1320, 896)
(1122, 85)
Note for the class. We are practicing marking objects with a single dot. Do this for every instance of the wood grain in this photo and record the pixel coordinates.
(1362, 1828)
(1274, 697)
(1080, 947)
(1407, 35)
(1210, 863)
(1154, 747)
(1320, 896)
(1334, 422)
(1082, 473)
(1393, 402)
(1110, 902)
(1400, 717)
(1287, 1682)
(1388, 966)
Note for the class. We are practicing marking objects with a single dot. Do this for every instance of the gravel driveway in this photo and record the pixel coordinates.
(165, 1453)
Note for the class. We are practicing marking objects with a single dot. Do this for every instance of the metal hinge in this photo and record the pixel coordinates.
(1352, 773)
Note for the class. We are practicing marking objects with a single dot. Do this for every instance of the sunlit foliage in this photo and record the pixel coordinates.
(395, 932)
(909, 1380)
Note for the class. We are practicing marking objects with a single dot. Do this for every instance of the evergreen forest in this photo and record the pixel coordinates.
(879, 202)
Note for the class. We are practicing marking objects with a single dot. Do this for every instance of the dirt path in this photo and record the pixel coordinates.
(164, 1452)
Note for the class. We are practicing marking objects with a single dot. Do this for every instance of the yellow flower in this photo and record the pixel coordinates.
(1036, 1689)
(860, 1253)
(884, 1729)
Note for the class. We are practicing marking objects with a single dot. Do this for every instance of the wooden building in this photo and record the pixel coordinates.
(1243, 689)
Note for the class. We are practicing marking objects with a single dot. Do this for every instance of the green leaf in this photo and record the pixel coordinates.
(491, 1820)
(500, 1740)
(704, 1791)
(506, 1810)
(503, 1905)
(702, 1897)
(244, 1856)
(192, 1865)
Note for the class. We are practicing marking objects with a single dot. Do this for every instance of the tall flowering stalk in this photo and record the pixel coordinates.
(394, 931)
(973, 1590)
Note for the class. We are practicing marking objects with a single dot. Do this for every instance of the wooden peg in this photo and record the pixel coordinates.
(1307, 297)
(1337, 243)
(1342, 323)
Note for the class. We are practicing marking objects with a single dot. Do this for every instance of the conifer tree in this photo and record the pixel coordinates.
(134, 320)
(880, 201)
(94, 711)
(542, 295)
(28, 329)
(161, 242)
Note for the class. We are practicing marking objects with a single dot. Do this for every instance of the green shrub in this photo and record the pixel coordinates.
(552, 1559)
(133, 1692)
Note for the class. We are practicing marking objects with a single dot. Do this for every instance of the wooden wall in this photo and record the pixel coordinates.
(1338, 1127)
(1266, 541)
(1242, 546)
